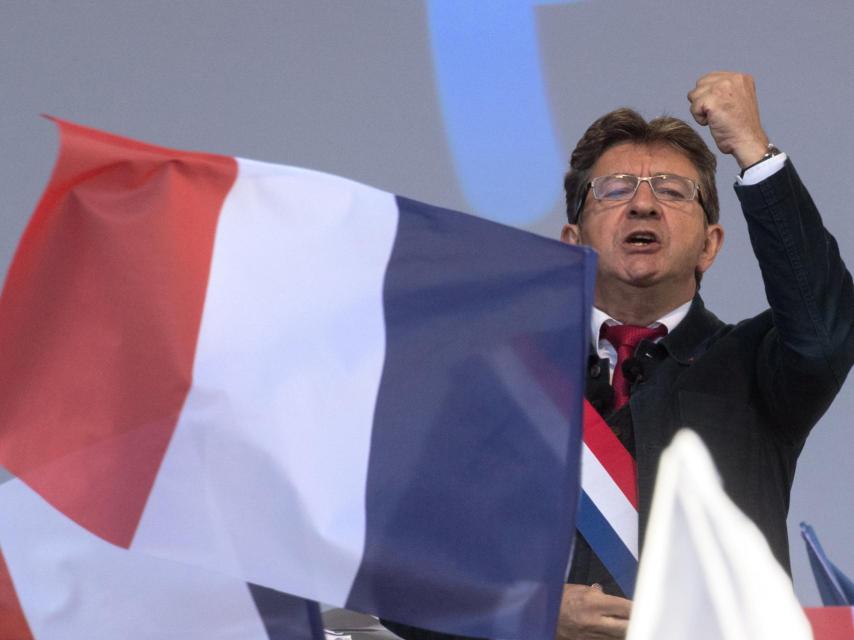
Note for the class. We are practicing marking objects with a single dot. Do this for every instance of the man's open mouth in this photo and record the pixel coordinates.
(641, 238)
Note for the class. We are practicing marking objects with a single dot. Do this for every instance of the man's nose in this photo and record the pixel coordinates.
(644, 202)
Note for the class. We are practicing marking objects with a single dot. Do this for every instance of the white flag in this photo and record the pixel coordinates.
(707, 572)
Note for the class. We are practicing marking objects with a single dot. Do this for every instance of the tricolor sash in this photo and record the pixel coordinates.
(608, 505)
(608, 508)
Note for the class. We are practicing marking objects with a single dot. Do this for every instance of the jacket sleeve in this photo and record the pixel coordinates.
(805, 358)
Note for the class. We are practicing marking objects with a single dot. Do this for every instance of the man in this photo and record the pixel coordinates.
(752, 391)
(643, 196)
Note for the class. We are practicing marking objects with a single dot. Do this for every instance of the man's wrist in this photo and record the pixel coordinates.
(751, 151)
(762, 170)
(769, 152)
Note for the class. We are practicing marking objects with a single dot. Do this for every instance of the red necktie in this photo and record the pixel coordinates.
(625, 338)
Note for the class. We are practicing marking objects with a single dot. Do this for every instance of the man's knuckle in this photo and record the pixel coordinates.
(586, 624)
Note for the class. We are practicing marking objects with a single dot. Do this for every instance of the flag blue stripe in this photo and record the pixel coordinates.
(607, 545)
(471, 497)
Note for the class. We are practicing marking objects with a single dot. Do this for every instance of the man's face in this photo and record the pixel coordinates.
(645, 242)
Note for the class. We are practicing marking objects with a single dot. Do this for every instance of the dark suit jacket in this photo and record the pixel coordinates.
(752, 391)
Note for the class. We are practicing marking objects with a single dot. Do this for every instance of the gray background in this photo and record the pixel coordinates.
(350, 88)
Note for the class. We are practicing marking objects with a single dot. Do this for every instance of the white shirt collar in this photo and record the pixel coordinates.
(670, 320)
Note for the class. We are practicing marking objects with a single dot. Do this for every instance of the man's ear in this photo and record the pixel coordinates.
(570, 234)
(713, 243)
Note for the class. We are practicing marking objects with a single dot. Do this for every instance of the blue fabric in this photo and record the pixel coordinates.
(835, 588)
(607, 545)
(287, 617)
(472, 490)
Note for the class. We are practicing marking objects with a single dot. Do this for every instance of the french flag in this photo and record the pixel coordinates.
(299, 381)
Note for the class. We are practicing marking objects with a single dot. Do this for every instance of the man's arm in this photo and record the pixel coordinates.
(805, 359)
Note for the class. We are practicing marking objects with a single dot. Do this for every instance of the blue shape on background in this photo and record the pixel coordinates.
(493, 100)
(835, 588)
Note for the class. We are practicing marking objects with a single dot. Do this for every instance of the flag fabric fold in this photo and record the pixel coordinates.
(706, 571)
(62, 582)
(298, 381)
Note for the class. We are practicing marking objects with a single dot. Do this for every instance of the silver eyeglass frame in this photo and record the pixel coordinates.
(696, 194)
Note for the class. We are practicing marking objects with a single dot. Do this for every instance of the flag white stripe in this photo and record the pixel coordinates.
(292, 334)
(74, 586)
(609, 499)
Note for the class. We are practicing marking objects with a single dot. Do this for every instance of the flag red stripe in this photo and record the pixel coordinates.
(608, 449)
(118, 248)
(13, 622)
(831, 623)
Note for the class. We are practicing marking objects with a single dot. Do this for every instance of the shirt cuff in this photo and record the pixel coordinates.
(765, 169)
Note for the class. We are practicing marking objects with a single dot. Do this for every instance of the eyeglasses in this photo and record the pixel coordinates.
(623, 186)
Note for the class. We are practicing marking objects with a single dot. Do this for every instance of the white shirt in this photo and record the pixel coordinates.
(765, 169)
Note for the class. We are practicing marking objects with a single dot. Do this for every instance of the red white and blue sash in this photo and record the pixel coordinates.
(608, 508)
(607, 512)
